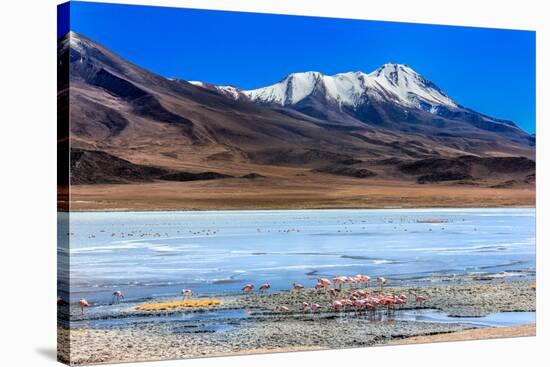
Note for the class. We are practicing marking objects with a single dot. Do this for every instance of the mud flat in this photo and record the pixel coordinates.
(266, 330)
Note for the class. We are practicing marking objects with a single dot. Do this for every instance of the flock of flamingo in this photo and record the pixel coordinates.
(360, 300)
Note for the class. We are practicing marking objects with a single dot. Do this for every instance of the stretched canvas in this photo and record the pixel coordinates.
(238, 183)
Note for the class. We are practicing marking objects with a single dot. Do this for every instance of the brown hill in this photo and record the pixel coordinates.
(128, 125)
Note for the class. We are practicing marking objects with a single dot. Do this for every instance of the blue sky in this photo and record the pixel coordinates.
(489, 70)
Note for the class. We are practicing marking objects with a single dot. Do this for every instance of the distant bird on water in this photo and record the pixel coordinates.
(248, 288)
(117, 296)
(381, 281)
(83, 303)
(186, 293)
(264, 287)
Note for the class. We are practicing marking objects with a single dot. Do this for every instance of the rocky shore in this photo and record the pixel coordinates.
(265, 329)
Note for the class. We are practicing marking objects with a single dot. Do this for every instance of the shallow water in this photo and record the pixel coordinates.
(494, 319)
(156, 254)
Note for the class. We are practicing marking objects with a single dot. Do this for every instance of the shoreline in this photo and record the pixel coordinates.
(297, 209)
(264, 329)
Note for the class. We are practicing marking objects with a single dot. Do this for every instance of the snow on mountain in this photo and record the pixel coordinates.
(395, 82)
(288, 91)
(410, 87)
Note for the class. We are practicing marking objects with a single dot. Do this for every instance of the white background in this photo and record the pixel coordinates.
(28, 179)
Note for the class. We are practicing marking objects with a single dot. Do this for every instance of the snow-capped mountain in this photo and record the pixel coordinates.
(351, 125)
(394, 96)
(393, 82)
(396, 82)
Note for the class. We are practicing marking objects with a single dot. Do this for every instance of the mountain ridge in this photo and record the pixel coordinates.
(133, 114)
(396, 83)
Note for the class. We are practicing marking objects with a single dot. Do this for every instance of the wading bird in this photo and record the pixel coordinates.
(336, 306)
(264, 287)
(419, 299)
(324, 282)
(297, 286)
(83, 303)
(314, 307)
(339, 280)
(282, 309)
(248, 288)
(117, 296)
(186, 293)
(381, 281)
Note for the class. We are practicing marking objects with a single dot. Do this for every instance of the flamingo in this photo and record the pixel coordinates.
(359, 305)
(324, 282)
(420, 299)
(264, 287)
(297, 286)
(282, 309)
(59, 300)
(83, 303)
(381, 281)
(339, 280)
(186, 293)
(248, 288)
(117, 295)
(315, 307)
(304, 306)
(347, 302)
(336, 305)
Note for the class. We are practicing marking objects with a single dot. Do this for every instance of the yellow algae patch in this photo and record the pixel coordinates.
(190, 303)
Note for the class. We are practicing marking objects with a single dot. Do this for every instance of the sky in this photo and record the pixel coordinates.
(489, 70)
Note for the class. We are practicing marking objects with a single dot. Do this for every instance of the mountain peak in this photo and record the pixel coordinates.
(394, 69)
(409, 87)
(396, 82)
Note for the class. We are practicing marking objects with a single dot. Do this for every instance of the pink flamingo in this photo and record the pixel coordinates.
(336, 306)
(323, 283)
(59, 300)
(186, 293)
(297, 286)
(381, 281)
(399, 301)
(117, 295)
(315, 307)
(420, 299)
(282, 309)
(248, 288)
(339, 280)
(264, 287)
(304, 306)
(83, 303)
